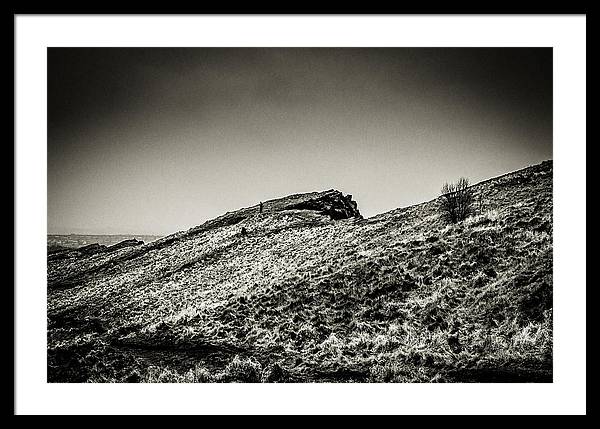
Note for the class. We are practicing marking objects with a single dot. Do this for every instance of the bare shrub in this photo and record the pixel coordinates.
(457, 201)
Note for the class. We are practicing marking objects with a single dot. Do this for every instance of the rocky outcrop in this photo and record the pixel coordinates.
(91, 249)
(332, 203)
(126, 243)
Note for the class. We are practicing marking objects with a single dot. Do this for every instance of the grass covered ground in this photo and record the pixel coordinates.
(400, 297)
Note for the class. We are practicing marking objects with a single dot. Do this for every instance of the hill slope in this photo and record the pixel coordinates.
(314, 292)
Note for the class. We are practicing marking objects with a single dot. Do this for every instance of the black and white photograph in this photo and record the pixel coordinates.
(299, 215)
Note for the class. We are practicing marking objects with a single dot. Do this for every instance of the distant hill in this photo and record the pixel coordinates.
(308, 291)
(73, 241)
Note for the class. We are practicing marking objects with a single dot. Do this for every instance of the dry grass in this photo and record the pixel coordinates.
(401, 297)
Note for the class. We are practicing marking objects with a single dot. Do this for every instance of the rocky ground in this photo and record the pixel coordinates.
(309, 291)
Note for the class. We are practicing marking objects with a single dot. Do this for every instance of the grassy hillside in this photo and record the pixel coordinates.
(314, 292)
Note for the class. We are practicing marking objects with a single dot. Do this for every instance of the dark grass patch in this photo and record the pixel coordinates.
(499, 375)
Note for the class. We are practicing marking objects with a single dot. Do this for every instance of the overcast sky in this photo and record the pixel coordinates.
(152, 141)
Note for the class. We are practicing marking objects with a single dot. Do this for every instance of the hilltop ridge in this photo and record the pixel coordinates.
(314, 292)
(331, 203)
